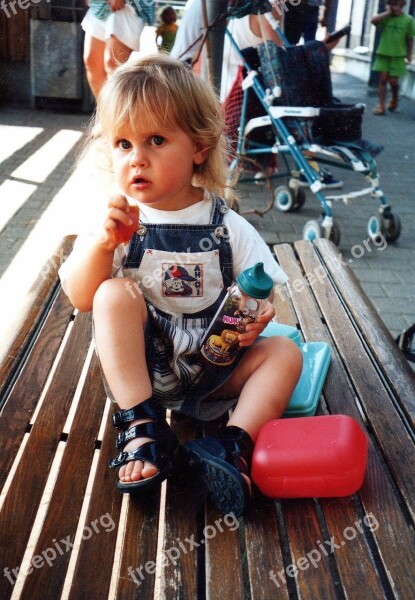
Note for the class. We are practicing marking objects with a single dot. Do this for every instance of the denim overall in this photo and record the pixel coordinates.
(183, 272)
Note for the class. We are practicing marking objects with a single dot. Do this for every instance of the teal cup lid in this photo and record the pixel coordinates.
(255, 282)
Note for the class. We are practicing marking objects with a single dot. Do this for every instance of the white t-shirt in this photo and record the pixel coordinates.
(247, 245)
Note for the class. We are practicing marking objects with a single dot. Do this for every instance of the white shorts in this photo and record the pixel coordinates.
(124, 24)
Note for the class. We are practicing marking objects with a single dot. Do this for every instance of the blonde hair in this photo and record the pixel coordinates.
(158, 90)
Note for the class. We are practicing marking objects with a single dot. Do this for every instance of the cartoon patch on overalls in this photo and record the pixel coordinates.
(178, 281)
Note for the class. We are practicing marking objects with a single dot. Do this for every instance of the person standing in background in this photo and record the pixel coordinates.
(395, 46)
(301, 20)
(112, 31)
(166, 31)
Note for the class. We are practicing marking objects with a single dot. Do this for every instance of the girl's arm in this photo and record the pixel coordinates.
(91, 263)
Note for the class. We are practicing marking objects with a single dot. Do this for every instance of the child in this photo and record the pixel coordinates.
(396, 44)
(160, 125)
(166, 31)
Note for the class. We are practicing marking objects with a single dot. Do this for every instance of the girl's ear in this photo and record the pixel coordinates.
(200, 155)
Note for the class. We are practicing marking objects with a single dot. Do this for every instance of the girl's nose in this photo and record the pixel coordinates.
(138, 157)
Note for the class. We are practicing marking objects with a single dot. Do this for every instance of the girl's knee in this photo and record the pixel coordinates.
(120, 293)
(286, 351)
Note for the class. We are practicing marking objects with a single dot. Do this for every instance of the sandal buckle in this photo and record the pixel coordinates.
(118, 460)
(117, 419)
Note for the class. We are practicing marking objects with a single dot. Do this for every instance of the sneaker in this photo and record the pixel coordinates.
(327, 179)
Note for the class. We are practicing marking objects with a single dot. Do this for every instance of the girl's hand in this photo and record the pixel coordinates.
(253, 330)
(120, 224)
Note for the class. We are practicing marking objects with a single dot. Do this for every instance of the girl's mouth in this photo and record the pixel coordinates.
(140, 182)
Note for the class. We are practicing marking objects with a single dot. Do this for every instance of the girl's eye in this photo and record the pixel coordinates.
(156, 140)
(124, 144)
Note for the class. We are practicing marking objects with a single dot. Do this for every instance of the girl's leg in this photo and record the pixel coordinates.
(94, 63)
(120, 315)
(116, 53)
(265, 381)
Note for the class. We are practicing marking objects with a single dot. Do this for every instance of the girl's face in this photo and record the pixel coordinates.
(155, 166)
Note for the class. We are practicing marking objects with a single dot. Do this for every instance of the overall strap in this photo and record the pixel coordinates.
(220, 208)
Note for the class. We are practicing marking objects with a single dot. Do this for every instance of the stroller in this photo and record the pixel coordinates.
(282, 119)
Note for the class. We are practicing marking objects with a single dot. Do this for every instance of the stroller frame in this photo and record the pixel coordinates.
(291, 197)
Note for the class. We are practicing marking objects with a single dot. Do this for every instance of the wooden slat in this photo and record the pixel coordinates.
(181, 559)
(263, 549)
(37, 301)
(23, 497)
(390, 431)
(224, 577)
(379, 498)
(93, 569)
(65, 505)
(139, 553)
(22, 401)
(353, 557)
(393, 363)
(303, 529)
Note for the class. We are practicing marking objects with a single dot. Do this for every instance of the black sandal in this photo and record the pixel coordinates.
(159, 451)
(222, 460)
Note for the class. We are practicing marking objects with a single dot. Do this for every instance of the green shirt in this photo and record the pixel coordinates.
(144, 9)
(395, 32)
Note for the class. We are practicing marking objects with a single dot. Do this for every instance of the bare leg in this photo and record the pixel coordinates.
(94, 63)
(394, 83)
(120, 314)
(265, 380)
(116, 53)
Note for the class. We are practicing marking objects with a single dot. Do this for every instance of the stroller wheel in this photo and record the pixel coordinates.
(335, 233)
(284, 199)
(376, 228)
(300, 198)
(392, 227)
(312, 231)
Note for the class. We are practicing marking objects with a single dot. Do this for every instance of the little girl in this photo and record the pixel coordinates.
(154, 291)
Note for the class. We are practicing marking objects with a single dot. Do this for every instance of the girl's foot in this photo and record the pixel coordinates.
(379, 110)
(224, 462)
(147, 447)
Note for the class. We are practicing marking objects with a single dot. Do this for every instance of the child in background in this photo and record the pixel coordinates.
(396, 45)
(166, 31)
(161, 128)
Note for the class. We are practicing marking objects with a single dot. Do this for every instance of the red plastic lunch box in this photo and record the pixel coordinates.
(308, 457)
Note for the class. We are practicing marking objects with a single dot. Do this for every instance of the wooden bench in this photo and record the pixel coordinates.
(64, 529)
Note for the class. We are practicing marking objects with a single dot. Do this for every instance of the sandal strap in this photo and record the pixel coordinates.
(239, 447)
(148, 452)
(145, 410)
(158, 430)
